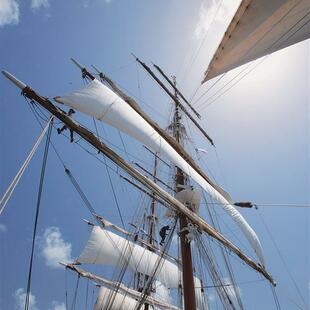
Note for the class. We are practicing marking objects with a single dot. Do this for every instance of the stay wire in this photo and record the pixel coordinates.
(66, 288)
(196, 53)
(275, 297)
(82, 195)
(111, 183)
(73, 306)
(208, 89)
(48, 137)
(86, 299)
(31, 105)
(282, 259)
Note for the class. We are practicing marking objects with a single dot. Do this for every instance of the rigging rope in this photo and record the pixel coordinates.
(8, 193)
(48, 137)
(283, 260)
(73, 306)
(147, 288)
(275, 297)
(196, 53)
(86, 299)
(111, 183)
(66, 287)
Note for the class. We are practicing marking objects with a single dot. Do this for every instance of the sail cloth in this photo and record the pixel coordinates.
(122, 300)
(100, 102)
(260, 27)
(106, 248)
(109, 299)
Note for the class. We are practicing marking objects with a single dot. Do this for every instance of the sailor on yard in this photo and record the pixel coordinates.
(64, 127)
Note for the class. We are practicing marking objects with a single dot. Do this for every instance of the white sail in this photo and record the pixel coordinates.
(122, 300)
(100, 102)
(106, 248)
(260, 27)
(120, 291)
(109, 299)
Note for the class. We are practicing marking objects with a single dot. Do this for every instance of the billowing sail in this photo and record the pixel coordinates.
(260, 27)
(109, 299)
(106, 248)
(116, 294)
(100, 102)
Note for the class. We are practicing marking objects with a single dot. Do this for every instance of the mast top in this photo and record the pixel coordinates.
(78, 64)
(14, 80)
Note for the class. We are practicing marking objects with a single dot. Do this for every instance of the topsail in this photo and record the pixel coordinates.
(260, 27)
(100, 102)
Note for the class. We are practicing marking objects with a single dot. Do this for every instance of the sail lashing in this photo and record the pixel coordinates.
(99, 101)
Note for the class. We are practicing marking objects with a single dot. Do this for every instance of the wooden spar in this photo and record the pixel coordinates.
(176, 90)
(88, 136)
(157, 156)
(173, 97)
(119, 287)
(189, 298)
(154, 177)
(85, 72)
(144, 191)
(177, 147)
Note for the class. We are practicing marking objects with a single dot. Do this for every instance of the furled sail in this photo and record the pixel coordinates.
(106, 248)
(100, 102)
(260, 27)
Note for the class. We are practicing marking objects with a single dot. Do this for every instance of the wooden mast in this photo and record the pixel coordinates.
(186, 253)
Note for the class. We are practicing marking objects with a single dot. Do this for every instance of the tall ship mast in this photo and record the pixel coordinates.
(172, 253)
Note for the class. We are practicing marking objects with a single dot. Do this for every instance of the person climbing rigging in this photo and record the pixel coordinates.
(189, 231)
(64, 127)
(163, 233)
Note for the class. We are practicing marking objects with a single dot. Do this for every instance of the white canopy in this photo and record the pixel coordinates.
(260, 27)
(100, 102)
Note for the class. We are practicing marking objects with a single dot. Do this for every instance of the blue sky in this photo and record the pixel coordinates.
(260, 128)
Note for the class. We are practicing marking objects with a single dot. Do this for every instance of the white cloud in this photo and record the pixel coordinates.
(3, 228)
(58, 306)
(37, 4)
(54, 248)
(20, 297)
(212, 12)
(9, 12)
